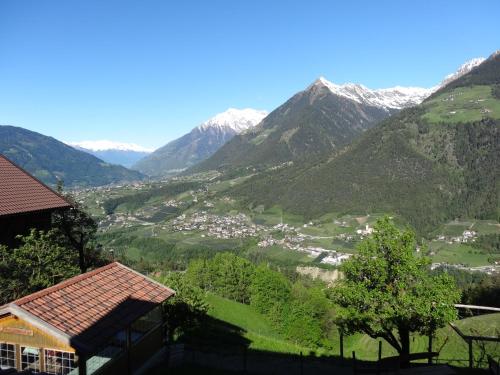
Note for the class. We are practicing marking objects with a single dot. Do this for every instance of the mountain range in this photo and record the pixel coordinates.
(200, 143)
(320, 120)
(429, 163)
(51, 160)
(126, 154)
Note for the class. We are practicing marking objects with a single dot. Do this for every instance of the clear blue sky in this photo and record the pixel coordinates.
(147, 71)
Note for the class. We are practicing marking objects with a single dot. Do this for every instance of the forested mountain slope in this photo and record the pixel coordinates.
(51, 160)
(430, 163)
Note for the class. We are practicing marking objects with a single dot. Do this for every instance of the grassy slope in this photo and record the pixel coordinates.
(263, 337)
(256, 327)
(463, 104)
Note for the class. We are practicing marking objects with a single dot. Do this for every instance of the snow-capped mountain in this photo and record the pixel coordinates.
(105, 145)
(121, 153)
(463, 69)
(234, 119)
(397, 97)
(200, 143)
(313, 123)
(392, 98)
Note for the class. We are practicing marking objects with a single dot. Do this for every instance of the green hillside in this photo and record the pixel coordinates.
(423, 163)
(262, 337)
(51, 160)
(256, 328)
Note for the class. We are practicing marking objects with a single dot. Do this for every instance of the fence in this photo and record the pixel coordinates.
(244, 360)
(257, 362)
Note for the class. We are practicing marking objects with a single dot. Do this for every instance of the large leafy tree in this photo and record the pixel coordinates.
(268, 289)
(388, 293)
(226, 274)
(75, 229)
(37, 264)
(187, 310)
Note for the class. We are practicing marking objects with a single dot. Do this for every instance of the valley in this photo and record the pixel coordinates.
(250, 188)
(153, 222)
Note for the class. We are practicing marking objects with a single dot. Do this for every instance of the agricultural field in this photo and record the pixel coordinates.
(447, 245)
(457, 254)
(463, 104)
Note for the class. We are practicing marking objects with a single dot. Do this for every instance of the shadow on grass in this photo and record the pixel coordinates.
(221, 348)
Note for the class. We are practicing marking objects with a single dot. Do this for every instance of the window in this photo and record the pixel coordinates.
(7, 356)
(149, 321)
(30, 359)
(59, 363)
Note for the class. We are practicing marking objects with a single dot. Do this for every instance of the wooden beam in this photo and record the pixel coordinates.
(457, 330)
(484, 338)
(475, 307)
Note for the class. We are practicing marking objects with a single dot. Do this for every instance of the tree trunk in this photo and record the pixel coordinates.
(404, 338)
(81, 259)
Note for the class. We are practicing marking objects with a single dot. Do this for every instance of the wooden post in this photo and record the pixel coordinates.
(354, 362)
(18, 357)
(301, 364)
(342, 347)
(379, 356)
(41, 359)
(471, 357)
(429, 349)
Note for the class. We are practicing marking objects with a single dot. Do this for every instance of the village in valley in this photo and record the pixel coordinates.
(206, 216)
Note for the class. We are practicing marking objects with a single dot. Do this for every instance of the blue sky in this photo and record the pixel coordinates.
(148, 71)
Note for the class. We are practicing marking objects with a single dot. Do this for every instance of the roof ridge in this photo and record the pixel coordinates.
(34, 178)
(145, 277)
(63, 284)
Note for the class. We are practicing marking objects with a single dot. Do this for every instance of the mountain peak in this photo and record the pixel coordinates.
(465, 68)
(391, 98)
(235, 119)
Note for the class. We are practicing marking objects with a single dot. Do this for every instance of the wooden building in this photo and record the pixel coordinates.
(106, 321)
(25, 203)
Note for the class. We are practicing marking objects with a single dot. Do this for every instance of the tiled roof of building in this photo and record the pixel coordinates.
(20, 192)
(91, 308)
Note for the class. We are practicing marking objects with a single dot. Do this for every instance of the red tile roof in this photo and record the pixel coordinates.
(20, 192)
(91, 308)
